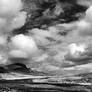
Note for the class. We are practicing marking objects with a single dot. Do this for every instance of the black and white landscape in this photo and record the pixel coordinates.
(45, 45)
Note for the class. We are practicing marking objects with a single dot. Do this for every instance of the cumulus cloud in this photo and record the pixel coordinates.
(11, 17)
(24, 43)
(80, 55)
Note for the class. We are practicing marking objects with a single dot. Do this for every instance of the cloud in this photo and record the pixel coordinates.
(84, 26)
(24, 43)
(83, 57)
(10, 7)
(84, 2)
(10, 15)
(77, 59)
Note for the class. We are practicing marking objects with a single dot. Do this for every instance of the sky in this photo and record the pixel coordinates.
(74, 48)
